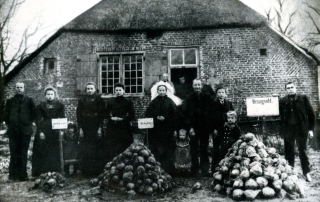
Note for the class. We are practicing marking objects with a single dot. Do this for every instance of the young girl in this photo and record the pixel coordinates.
(70, 147)
(182, 155)
(46, 151)
(230, 134)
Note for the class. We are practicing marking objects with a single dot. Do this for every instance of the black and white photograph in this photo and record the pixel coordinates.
(159, 100)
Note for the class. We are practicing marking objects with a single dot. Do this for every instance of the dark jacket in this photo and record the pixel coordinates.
(198, 111)
(163, 106)
(219, 112)
(90, 112)
(122, 108)
(19, 114)
(304, 110)
(182, 90)
(47, 111)
(206, 88)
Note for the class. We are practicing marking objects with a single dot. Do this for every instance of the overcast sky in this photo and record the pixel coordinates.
(53, 14)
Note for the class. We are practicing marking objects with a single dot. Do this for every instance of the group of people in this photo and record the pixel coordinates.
(182, 126)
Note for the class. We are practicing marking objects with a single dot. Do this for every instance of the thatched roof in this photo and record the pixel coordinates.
(110, 15)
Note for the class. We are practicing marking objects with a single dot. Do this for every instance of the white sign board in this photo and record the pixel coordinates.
(267, 106)
(59, 123)
(145, 123)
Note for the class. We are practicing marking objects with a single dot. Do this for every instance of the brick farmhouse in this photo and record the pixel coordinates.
(136, 41)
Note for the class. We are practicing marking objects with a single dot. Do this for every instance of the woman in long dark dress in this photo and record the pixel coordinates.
(119, 112)
(164, 113)
(90, 121)
(46, 151)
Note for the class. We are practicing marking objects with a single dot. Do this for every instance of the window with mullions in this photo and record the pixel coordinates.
(127, 69)
(183, 57)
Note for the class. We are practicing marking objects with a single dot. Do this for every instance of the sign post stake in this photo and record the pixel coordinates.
(61, 153)
(58, 124)
(147, 138)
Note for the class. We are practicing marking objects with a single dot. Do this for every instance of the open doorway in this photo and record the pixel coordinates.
(189, 73)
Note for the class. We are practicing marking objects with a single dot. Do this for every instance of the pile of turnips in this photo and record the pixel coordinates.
(251, 170)
(134, 171)
(49, 181)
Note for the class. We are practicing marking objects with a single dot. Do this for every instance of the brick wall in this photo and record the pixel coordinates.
(229, 56)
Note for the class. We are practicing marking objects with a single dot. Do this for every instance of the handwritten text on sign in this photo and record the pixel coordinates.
(145, 123)
(267, 106)
(59, 123)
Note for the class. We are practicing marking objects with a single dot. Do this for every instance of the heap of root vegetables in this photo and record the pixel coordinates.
(49, 181)
(250, 170)
(134, 171)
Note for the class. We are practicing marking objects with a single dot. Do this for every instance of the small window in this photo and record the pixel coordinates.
(49, 66)
(183, 57)
(263, 52)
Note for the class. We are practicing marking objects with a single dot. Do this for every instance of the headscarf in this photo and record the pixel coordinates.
(170, 92)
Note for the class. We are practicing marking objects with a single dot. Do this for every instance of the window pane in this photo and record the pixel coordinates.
(110, 82)
(127, 67)
(104, 59)
(110, 59)
(133, 66)
(104, 67)
(110, 75)
(127, 82)
(139, 66)
(139, 89)
(190, 56)
(110, 90)
(176, 57)
(116, 67)
(133, 74)
(116, 81)
(116, 59)
(104, 89)
(127, 89)
(104, 75)
(139, 73)
(104, 82)
(139, 81)
(127, 59)
(133, 81)
(116, 74)
(139, 58)
(133, 59)
(127, 74)
(133, 89)
(110, 68)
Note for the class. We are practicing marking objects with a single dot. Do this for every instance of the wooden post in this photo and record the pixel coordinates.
(147, 143)
(61, 152)
(264, 138)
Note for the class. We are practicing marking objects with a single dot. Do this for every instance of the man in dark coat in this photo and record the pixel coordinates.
(183, 89)
(90, 121)
(19, 114)
(198, 108)
(120, 113)
(206, 88)
(298, 121)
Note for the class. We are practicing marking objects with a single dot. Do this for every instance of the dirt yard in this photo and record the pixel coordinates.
(78, 189)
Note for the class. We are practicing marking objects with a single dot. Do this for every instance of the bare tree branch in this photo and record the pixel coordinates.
(19, 51)
(313, 13)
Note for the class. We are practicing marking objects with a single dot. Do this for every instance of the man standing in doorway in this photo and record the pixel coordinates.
(198, 109)
(183, 89)
(19, 114)
(298, 120)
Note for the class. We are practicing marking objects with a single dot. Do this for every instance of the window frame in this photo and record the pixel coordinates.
(121, 71)
(46, 65)
(196, 48)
